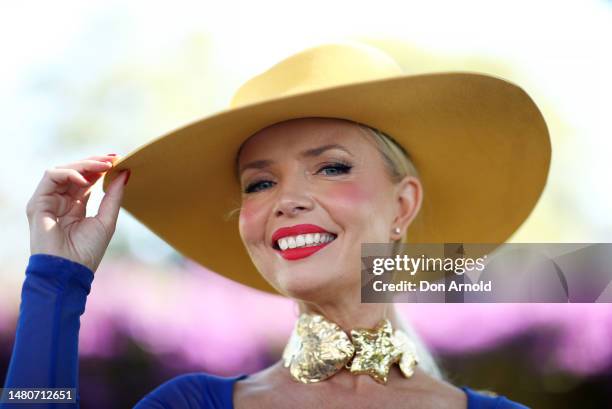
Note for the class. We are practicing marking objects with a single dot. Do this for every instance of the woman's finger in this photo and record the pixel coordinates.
(88, 165)
(111, 202)
(109, 156)
(77, 210)
(58, 180)
(77, 192)
(91, 169)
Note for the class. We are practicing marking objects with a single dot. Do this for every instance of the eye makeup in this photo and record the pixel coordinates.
(338, 167)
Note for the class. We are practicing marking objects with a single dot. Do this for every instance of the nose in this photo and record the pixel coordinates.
(293, 199)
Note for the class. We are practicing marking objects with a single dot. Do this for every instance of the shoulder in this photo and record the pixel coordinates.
(483, 399)
(192, 391)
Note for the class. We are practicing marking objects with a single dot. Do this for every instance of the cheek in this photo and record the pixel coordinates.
(358, 207)
(251, 221)
(350, 197)
(350, 204)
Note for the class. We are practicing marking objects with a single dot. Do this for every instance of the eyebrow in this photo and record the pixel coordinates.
(309, 153)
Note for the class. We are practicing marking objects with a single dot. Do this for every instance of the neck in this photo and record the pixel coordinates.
(351, 314)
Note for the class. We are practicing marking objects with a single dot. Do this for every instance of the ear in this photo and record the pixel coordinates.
(409, 196)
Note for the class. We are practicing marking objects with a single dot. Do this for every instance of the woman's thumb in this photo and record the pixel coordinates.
(111, 202)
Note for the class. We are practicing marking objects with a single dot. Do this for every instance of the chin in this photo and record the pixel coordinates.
(306, 286)
(313, 289)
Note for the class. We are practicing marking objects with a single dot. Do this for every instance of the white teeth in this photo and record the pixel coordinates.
(304, 240)
(291, 241)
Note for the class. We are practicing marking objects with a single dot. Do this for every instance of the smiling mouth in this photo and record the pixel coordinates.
(304, 241)
(304, 245)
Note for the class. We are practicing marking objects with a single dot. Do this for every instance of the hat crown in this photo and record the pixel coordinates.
(315, 68)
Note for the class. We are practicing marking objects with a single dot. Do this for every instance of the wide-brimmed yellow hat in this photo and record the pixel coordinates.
(479, 143)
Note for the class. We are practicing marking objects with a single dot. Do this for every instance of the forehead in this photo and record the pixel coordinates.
(297, 134)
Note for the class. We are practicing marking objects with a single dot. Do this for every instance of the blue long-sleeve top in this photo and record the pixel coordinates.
(45, 353)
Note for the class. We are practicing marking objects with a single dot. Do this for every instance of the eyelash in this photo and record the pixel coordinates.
(344, 167)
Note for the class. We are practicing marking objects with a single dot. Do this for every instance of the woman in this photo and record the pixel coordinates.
(313, 188)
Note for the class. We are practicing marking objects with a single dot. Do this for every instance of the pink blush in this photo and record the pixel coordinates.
(350, 193)
(251, 219)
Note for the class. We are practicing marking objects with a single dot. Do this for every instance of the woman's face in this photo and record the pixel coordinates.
(321, 179)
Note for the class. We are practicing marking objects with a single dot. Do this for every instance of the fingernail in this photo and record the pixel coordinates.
(127, 177)
(111, 154)
(91, 177)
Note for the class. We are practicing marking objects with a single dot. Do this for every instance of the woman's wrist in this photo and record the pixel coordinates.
(61, 268)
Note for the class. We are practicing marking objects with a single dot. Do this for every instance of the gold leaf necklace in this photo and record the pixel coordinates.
(319, 348)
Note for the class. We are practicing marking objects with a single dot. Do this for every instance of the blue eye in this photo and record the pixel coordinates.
(333, 169)
(257, 186)
(337, 169)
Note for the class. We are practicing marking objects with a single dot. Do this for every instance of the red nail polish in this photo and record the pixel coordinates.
(91, 177)
(127, 177)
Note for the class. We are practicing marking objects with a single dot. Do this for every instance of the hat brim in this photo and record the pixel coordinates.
(479, 143)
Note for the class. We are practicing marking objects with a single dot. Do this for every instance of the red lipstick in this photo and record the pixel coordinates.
(301, 252)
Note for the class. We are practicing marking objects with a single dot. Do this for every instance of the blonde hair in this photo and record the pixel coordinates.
(399, 165)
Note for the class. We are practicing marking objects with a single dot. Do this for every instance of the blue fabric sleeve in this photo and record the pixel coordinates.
(478, 400)
(45, 353)
(193, 391)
